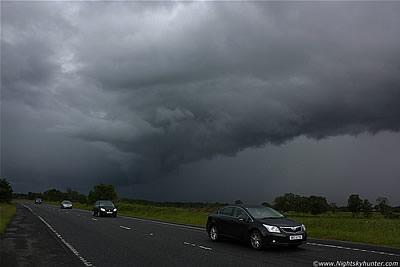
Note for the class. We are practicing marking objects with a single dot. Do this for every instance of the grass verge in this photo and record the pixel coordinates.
(339, 226)
(375, 230)
(7, 212)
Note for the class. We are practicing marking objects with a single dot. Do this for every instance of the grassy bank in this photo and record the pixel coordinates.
(339, 226)
(342, 226)
(7, 212)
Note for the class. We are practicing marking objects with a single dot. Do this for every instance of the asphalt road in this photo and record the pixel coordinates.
(128, 241)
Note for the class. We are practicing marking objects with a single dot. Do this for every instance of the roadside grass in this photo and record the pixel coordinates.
(342, 226)
(7, 212)
(337, 226)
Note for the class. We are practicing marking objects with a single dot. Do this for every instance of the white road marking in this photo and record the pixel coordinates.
(127, 228)
(206, 248)
(85, 262)
(355, 249)
(200, 229)
(94, 219)
(164, 223)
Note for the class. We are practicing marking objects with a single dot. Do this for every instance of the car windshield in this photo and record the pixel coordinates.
(106, 203)
(264, 212)
(67, 202)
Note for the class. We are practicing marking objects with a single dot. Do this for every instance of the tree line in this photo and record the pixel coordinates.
(319, 205)
(100, 191)
(285, 203)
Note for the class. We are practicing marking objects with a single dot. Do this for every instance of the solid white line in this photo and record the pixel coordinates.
(355, 249)
(199, 229)
(85, 262)
(127, 228)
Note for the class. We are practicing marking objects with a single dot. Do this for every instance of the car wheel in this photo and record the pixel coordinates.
(256, 241)
(94, 213)
(214, 234)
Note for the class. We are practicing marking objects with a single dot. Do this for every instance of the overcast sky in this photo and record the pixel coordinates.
(202, 101)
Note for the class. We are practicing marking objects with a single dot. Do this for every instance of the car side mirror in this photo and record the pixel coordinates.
(242, 218)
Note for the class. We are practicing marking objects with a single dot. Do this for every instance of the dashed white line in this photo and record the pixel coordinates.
(124, 227)
(355, 249)
(200, 229)
(206, 248)
(190, 244)
(165, 223)
(85, 262)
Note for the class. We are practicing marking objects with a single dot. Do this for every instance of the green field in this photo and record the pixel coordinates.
(7, 212)
(339, 226)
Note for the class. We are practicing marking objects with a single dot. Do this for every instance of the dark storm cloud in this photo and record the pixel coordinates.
(157, 85)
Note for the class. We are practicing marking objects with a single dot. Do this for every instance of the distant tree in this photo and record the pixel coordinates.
(32, 195)
(287, 202)
(383, 207)
(6, 191)
(367, 208)
(54, 195)
(318, 204)
(82, 198)
(303, 205)
(71, 195)
(333, 207)
(102, 191)
(266, 204)
(354, 204)
(238, 201)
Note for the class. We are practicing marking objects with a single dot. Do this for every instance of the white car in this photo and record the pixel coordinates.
(66, 204)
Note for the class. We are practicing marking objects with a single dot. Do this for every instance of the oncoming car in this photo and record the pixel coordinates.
(260, 226)
(104, 208)
(66, 204)
(38, 201)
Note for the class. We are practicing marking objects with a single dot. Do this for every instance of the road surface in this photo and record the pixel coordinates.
(76, 238)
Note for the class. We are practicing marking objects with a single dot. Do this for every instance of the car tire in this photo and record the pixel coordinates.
(94, 213)
(214, 233)
(256, 240)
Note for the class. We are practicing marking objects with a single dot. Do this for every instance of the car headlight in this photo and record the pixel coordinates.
(102, 209)
(115, 209)
(304, 227)
(271, 228)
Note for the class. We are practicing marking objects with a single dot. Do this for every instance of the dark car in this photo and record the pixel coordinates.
(38, 201)
(259, 225)
(104, 208)
(66, 204)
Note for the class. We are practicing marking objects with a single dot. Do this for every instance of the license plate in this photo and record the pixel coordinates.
(109, 212)
(295, 237)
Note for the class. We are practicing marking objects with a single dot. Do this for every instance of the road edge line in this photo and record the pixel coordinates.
(68, 245)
